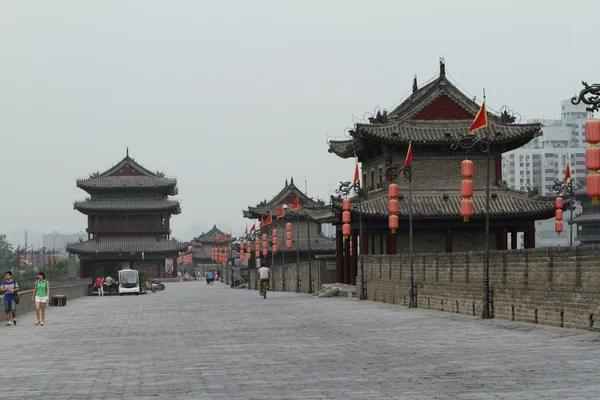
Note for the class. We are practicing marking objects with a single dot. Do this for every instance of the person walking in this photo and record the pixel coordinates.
(100, 285)
(232, 279)
(41, 294)
(10, 288)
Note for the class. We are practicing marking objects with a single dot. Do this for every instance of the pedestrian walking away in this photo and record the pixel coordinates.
(41, 294)
(10, 288)
(232, 279)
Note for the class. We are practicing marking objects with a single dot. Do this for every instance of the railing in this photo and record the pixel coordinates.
(125, 225)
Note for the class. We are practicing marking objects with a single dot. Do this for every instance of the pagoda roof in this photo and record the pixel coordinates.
(211, 236)
(117, 245)
(445, 205)
(435, 116)
(287, 195)
(586, 218)
(319, 243)
(128, 174)
(89, 205)
(503, 137)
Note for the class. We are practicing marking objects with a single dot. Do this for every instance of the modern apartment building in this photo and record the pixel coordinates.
(541, 162)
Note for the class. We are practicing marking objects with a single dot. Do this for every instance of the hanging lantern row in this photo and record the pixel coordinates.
(393, 207)
(275, 242)
(467, 170)
(242, 256)
(558, 225)
(288, 235)
(592, 159)
(257, 248)
(265, 248)
(346, 218)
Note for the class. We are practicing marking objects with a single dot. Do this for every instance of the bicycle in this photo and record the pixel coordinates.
(264, 286)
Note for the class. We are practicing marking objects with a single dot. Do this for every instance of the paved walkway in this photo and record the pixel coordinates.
(210, 342)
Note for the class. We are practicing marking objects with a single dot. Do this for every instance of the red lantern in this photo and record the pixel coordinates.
(242, 247)
(346, 204)
(393, 190)
(275, 248)
(559, 202)
(242, 258)
(592, 158)
(558, 226)
(467, 169)
(593, 186)
(466, 188)
(257, 244)
(346, 217)
(264, 237)
(288, 227)
(275, 240)
(288, 243)
(393, 223)
(466, 209)
(265, 252)
(592, 131)
(393, 206)
(559, 214)
(346, 230)
(257, 254)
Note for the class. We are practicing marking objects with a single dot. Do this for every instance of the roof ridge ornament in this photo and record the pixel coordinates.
(127, 152)
(442, 68)
(415, 86)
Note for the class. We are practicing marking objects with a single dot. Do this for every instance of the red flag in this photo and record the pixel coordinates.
(253, 228)
(567, 173)
(295, 204)
(408, 160)
(280, 212)
(269, 219)
(480, 120)
(356, 171)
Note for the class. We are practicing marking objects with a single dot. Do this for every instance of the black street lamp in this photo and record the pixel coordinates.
(566, 190)
(344, 190)
(392, 172)
(466, 144)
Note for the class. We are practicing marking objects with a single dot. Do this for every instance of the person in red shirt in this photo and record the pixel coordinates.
(100, 285)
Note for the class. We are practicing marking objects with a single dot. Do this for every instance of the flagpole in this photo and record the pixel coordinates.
(408, 175)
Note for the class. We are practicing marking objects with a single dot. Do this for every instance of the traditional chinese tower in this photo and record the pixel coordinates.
(433, 118)
(128, 221)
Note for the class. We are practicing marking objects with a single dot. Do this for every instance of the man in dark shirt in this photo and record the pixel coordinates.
(10, 287)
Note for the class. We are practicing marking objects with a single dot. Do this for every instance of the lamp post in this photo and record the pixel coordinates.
(392, 172)
(566, 190)
(344, 190)
(466, 144)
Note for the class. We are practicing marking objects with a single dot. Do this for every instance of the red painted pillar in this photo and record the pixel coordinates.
(80, 268)
(498, 169)
(346, 260)
(449, 240)
(354, 270)
(339, 256)
(391, 247)
(529, 238)
(175, 267)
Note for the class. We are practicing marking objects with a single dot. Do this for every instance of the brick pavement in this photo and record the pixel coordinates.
(199, 342)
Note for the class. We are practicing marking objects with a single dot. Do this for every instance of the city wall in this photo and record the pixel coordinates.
(550, 286)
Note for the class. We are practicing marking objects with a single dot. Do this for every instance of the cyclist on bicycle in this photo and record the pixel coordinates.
(263, 276)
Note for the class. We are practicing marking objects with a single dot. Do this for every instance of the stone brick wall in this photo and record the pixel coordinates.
(550, 286)
(72, 290)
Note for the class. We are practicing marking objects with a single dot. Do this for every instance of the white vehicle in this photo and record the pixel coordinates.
(129, 281)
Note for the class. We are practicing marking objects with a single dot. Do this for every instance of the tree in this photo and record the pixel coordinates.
(8, 256)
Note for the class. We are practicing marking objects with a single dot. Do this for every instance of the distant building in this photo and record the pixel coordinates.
(59, 241)
(541, 162)
(204, 244)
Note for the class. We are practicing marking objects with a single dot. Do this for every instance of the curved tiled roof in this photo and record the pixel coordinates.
(504, 204)
(127, 205)
(273, 205)
(126, 245)
(126, 182)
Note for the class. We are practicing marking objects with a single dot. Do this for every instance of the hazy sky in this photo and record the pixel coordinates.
(233, 97)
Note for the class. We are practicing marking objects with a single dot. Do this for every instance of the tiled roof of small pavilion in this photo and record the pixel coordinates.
(127, 205)
(504, 204)
(126, 245)
(404, 123)
(139, 178)
(211, 236)
(284, 196)
(317, 244)
(585, 218)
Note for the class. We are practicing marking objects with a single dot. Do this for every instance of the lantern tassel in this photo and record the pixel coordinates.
(466, 219)
(594, 200)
